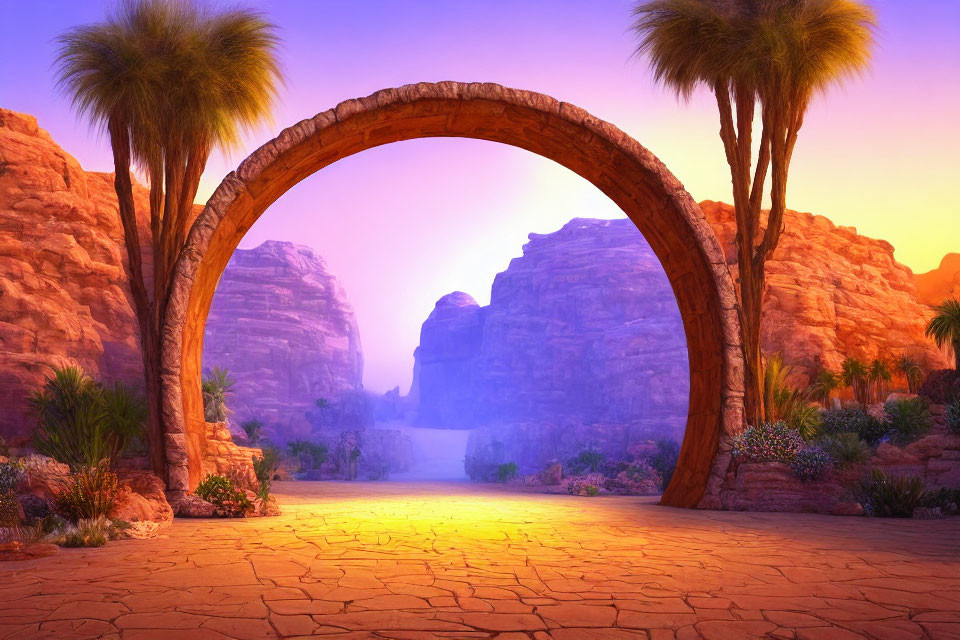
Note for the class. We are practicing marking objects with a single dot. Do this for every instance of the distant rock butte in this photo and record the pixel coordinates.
(933, 287)
(583, 329)
(284, 328)
(63, 292)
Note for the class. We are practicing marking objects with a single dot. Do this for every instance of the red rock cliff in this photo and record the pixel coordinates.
(63, 292)
(834, 293)
(933, 287)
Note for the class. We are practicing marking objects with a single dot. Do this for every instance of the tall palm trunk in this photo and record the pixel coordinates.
(146, 320)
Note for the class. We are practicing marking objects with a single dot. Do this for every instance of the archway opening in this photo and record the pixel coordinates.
(616, 164)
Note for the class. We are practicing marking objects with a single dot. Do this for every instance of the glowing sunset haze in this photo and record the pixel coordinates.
(402, 225)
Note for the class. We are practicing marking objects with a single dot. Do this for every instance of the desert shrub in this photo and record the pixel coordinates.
(82, 423)
(264, 467)
(909, 419)
(854, 420)
(768, 442)
(945, 499)
(587, 461)
(89, 493)
(11, 474)
(312, 455)
(889, 496)
(953, 416)
(846, 449)
(588, 485)
(941, 386)
(9, 509)
(253, 429)
(221, 492)
(664, 460)
(507, 471)
(88, 532)
(638, 478)
(810, 463)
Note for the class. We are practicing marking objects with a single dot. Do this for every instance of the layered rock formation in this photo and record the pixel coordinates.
(63, 292)
(832, 293)
(282, 325)
(935, 286)
(582, 339)
(584, 330)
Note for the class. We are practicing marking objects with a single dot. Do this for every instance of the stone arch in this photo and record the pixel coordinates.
(614, 162)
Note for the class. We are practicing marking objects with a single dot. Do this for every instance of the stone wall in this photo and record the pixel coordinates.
(224, 457)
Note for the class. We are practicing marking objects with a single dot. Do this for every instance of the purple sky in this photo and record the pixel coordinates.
(404, 224)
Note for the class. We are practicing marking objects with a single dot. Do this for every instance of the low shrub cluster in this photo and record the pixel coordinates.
(854, 420)
(507, 472)
(845, 449)
(953, 416)
(89, 494)
(890, 496)
(10, 476)
(811, 463)
(219, 491)
(588, 485)
(768, 442)
(908, 418)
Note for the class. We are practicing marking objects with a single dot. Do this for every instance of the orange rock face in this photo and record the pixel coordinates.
(832, 293)
(933, 287)
(63, 293)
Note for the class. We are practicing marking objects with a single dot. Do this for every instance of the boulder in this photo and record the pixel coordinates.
(552, 475)
(44, 477)
(141, 498)
(191, 506)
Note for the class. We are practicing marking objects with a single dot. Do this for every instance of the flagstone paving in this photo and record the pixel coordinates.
(418, 561)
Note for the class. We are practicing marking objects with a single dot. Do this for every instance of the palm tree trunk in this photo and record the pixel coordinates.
(956, 354)
(149, 334)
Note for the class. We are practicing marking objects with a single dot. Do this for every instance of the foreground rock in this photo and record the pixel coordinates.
(282, 325)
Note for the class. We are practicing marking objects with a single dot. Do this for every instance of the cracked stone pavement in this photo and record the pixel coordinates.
(418, 561)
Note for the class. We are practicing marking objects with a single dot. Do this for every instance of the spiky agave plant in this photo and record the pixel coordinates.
(216, 385)
(944, 327)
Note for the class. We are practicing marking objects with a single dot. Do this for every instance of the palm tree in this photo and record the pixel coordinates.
(775, 53)
(944, 327)
(854, 374)
(823, 383)
(216, 386)
(253, 429)
(911, 371)
(168, 82)
(878, 375)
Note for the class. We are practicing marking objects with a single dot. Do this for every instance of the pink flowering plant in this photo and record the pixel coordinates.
(768, 442)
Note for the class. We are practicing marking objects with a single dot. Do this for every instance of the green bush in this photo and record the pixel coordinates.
(587, 461)
(81, 422)
(953, 416)
(220, 492)
(909, 419)
(311, 455)
(90, 493)
(945, 499)
(811, 463)
(768, 442)
(507, 471)
(854, 420)
(890, 496)
(846, 449)
(264, 467)
(588, 486)
(88, 532)
(664, 461)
